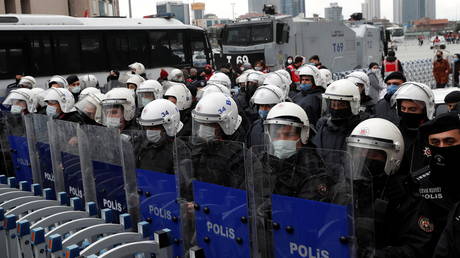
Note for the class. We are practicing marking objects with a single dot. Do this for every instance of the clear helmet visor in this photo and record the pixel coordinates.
(284, 137)
(204, 132)
(87, 108)
(112, 115)
(367, 163)
(336, 109)
(143, 98)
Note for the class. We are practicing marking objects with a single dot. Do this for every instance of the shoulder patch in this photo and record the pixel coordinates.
(425, 224)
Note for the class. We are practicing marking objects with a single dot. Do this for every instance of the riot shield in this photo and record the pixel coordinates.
(65, 156)
(156, 184)
(213, 193)
(17, 141)
(101, 160)
(303, 208)
(42, 143)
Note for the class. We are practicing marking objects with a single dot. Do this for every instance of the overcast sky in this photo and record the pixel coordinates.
(449, 9)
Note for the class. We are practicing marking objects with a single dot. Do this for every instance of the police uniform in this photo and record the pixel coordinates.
(247, 112)
(383, 109)
(255, 134)
(311, 102)
(156, 157)
(449, 244)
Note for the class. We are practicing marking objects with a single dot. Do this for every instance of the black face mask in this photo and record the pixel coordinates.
(411, 121)
(340, 116)
(444, 164)
(375, 167)
(439, 57)
(112, 78)
(251, 89)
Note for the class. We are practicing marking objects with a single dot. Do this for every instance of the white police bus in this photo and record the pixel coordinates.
(44, 45)
(396, 33)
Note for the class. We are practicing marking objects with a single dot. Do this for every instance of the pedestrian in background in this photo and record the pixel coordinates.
(441, 70)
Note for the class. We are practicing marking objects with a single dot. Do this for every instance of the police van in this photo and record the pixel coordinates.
(275, 37)
(44, 45)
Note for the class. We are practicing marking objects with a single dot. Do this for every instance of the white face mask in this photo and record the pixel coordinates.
(284, 149)
(375, 70)
(258, 68)
(113, 122)
(75, 89)
(16, 109)
(153, 135)
(145, 101)
(289, 61)
(206, 132)
(51, 110)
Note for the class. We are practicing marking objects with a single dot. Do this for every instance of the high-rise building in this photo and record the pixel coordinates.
(78, 8)
(430, 9)
(371, 9)
(179, 9)
(333, 12)
(198, 10)
(289, 7)
(406, 11)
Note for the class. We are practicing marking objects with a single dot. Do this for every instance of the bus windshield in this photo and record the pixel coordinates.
(248, 34)
(397, 32)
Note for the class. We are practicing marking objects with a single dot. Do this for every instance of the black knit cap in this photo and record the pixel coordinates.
(395, 75)
(442, 123)
(72, 78)
(452, 97)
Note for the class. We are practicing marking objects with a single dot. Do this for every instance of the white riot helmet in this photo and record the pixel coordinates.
(88, 80)
(313, 72)
(162, 112)
(181, 93)
(359, 78)
(19, 100)
(59, 80)
(343, 90)
(277, 79)
(176, 75)
(85, 92)
(220, 78)
(256, 77)
(378, 134)
(285, 74)
(137, 68)
(63, 96)
(415, 91)
(27, 82)
(39, 97)
(287, 114)
(327, 77)
(210, 88)
(91, 106)
(148, 91)
(114, 99)
(215, 108)
(267, 95)
(135, 79)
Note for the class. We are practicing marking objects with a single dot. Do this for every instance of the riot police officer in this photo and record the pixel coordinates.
(264, 98)
(180, 95)
(161, 121)
(415, 105)
(383, 108)
(148, 91)
(21, 101)
(253, 80)
(342, 99)
(60, 104)
(438, 182)
(382, 194)
(118, 109)
(89, 110)
(311, 87)
(361, 80)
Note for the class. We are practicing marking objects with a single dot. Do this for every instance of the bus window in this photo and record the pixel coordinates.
(176, 40)
(118, 49)
(237, 36)
(40, 57)
(166, 48)
(138, 47)
(199, 52)
(11, 55)
(93, 57)
(66, 52)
